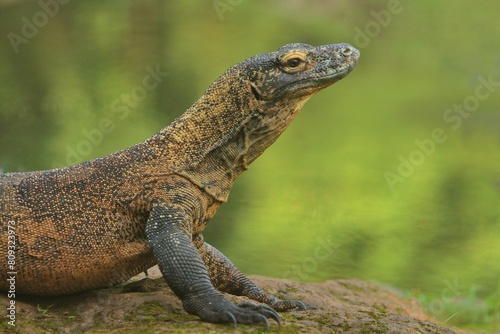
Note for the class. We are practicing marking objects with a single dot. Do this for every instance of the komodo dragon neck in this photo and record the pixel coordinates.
(241, 114)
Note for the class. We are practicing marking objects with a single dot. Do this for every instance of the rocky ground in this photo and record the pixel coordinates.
(148, 306)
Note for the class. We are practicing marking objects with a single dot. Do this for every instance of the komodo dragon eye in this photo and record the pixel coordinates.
(293, 62)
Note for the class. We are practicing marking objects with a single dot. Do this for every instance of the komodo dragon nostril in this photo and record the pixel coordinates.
(346, 52)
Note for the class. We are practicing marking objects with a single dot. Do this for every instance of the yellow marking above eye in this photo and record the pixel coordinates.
(294, 60)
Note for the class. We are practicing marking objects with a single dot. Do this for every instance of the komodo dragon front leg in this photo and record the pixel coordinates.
(227, 278)
(169, 232)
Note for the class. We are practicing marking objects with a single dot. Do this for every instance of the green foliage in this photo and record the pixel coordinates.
(338, 195)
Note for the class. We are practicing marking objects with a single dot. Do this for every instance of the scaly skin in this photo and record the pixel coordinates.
(103, 221)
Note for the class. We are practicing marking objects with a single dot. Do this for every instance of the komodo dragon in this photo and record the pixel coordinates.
(103, 221)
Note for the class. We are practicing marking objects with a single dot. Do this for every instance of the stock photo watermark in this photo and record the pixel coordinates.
(223, 6)
(31, 27)
(453, 117)
(121, 109)
(324, 249)
(449, 294)
(381, 19)
(12, 272)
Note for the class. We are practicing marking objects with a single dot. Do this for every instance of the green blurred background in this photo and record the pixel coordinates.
(391, 175)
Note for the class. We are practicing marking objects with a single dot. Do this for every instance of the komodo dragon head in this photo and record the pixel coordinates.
(281, 82)
(298, 70)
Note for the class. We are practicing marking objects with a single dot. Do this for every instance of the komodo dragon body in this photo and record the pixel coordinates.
(103, 221)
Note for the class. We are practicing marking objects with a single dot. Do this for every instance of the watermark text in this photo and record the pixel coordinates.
(30, 28)
(11, 274)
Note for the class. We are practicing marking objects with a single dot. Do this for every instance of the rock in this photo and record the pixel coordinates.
(148, 306)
